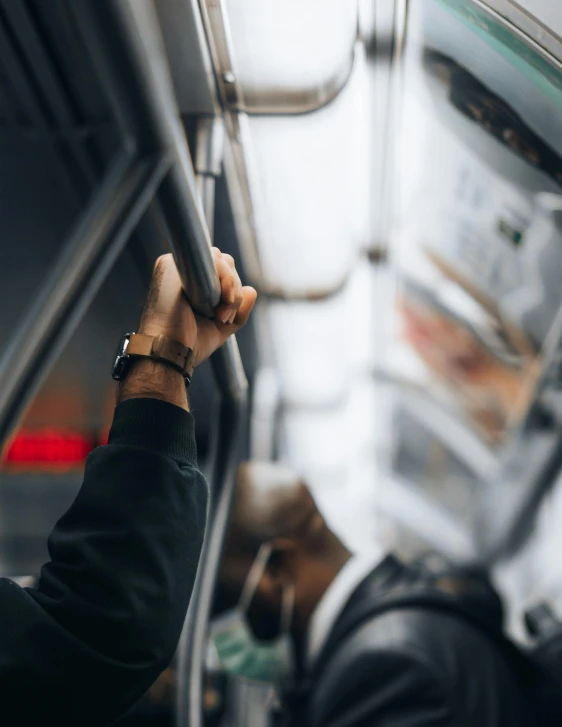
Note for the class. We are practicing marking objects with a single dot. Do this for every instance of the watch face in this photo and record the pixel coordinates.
(121, 358)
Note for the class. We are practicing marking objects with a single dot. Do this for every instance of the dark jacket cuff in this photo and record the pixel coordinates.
(157, 426)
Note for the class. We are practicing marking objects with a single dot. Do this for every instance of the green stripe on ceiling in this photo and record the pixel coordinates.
(542, 74)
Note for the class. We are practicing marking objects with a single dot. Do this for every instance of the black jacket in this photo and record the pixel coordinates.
(107, 613)
(405, 653)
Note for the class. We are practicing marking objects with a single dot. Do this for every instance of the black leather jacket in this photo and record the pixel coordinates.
(416, 649)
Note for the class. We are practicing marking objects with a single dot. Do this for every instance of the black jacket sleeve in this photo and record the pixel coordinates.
(106, 616)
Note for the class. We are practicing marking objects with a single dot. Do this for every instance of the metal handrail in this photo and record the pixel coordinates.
(74, 280)
(193, 643)
(128, 50)
(224, 452)
(123, 39)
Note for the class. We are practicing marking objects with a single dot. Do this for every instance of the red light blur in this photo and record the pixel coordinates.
(48, 448)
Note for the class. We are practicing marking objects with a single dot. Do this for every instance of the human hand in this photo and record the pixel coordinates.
(167, 311)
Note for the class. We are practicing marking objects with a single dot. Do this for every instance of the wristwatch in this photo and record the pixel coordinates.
(158, 348)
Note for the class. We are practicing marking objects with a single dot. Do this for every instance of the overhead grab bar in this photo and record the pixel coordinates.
(125, 40)
(127, 48)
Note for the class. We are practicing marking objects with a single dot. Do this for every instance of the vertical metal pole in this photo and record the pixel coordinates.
(231, 382)
(193, 643)
(208, 162)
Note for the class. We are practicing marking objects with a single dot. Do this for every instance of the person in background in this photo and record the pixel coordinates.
(105, 617)
(356, 641)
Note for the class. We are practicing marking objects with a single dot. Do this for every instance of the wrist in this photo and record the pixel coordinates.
(147, 378)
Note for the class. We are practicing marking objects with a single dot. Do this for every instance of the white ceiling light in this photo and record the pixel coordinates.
(320, 347)
(307, 179)
(290, 44)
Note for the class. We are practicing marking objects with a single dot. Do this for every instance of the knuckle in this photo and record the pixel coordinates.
(162, 260)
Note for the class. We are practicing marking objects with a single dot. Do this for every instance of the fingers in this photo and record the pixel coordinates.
(249, 296)
(167, 311)
(212, 334)
(231, 287)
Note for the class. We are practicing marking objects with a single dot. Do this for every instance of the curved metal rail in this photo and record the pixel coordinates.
(128, 49)
(123, 39)
(73, 282)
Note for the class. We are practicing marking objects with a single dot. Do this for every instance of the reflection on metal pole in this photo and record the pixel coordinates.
(74, 280)
(385, 67)
(266, 404)
(208, 162)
